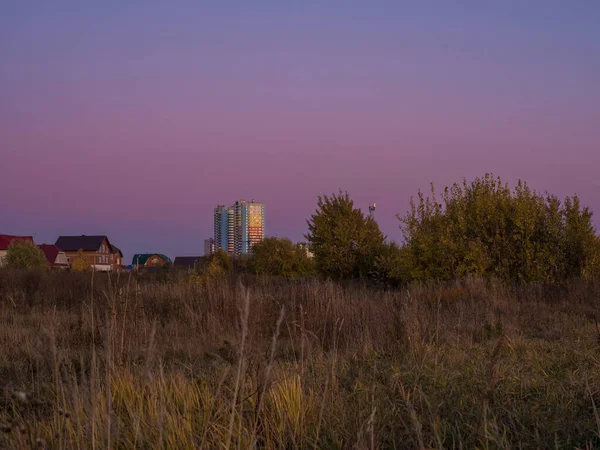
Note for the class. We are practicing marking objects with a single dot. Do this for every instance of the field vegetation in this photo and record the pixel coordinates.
(479, 331)
(136, 362)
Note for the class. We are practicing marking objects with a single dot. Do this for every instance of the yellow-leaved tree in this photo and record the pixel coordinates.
(81, 263)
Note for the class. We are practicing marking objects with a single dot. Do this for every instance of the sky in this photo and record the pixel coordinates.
(135, 119)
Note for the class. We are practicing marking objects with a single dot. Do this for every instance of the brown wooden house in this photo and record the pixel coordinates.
(97, 250)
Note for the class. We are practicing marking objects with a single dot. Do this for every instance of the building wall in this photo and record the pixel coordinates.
(61, 258)
(224, 228)
(155, 261)
(231, 230)
(240, 226)
(117, 263)
(217, 235)
(2, 257)
(102, 260)
(209, 246)
(256, 223)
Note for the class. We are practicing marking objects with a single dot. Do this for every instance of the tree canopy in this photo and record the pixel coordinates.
(485, 228)
(81, 263)
(281, 257)
(24, 254)
(345, 243)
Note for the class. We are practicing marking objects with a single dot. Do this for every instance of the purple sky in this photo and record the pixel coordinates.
(135, 120)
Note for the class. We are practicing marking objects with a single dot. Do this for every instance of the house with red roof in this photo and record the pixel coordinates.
(5, 241)
(57, 259)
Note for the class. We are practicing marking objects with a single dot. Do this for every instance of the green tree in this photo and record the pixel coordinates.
(392, 265)
(24, 254)
(279, 256)
(345, 243)
(592, 264)
(485, 228)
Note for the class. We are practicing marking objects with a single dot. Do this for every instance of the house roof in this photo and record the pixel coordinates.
(6, 240)
(141, 258)
(116, 249)
(186, 261)
(51, 252)
(83, 242)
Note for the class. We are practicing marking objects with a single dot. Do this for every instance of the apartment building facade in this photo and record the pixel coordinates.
(239, 227)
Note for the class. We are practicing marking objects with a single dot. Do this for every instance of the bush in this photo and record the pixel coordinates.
(24, 254)
(391, 265)
(81, 263)
(484, 228)
(212, 267)
(346, 244)
(280, 257)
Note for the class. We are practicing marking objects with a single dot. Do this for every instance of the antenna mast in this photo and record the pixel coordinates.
(372, 207)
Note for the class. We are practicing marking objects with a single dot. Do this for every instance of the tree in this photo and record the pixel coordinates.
(485, 228)
(81, 263)
(345, 243)
(280, 257)
(213, 267)
(391, 266)
(24, 254)
(216, 264)
(592, 264)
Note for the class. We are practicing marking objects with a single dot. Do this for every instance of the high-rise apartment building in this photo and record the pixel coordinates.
(209, 246)
(224, 221)
(239, 227)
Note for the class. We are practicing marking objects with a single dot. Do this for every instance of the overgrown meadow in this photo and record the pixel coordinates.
(236, 362)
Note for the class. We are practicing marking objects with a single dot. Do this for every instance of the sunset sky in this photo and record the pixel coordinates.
(134, 119)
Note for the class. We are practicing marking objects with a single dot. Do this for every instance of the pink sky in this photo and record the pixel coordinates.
(135, 122)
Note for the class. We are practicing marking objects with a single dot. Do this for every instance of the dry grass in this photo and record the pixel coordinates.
(295, 364)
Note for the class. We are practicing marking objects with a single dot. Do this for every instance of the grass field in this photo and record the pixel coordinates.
(233, 364)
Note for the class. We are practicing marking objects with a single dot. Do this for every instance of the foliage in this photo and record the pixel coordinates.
(212, 267)
(24, 254)
(484, 228)
(345, 243)
(391, 265)
(280, 257)
(125, 362)
(81, 263)
(591, 269)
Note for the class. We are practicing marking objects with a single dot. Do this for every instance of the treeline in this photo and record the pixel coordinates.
(481, 228)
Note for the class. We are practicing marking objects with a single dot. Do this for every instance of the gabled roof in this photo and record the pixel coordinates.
(51, 252)
(6, 240)
(83, 242)
(186, 261)
(139, 259)
(116, 249)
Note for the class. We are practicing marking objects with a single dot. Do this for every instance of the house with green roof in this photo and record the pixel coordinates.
(141, 260)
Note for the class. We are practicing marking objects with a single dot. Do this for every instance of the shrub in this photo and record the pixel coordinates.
(24, 254)
(212, 267)
(484, 228)
(280, 257)
(391, 265)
